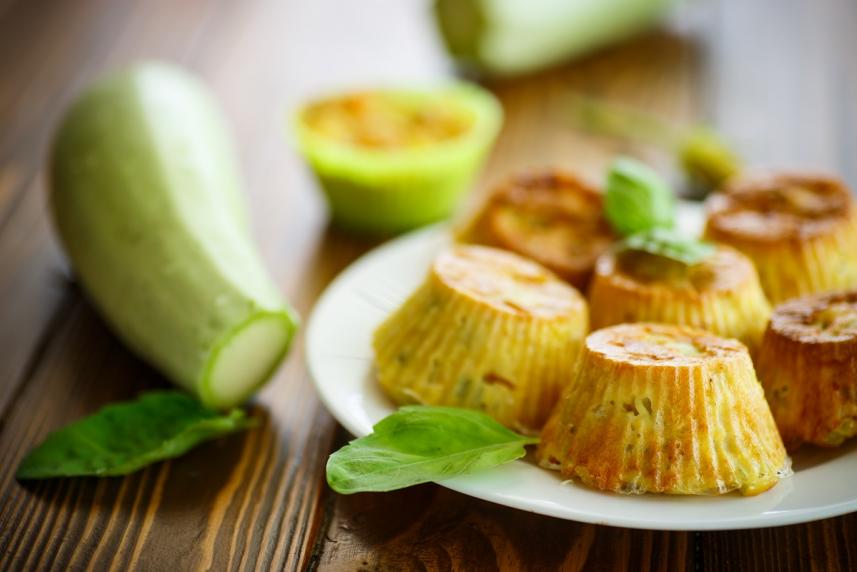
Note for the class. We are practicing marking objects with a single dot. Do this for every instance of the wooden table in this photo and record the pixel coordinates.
(778, 76)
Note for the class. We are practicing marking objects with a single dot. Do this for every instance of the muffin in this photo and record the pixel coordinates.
(487, 330)
(391, 160)
(553, 218)
(808, 367)
(721, 294)
(799, 230)
(664, 409)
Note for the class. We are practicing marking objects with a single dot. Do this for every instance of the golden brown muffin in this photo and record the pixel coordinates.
(553, 218)
(487, 330)
(721, 294)
(808, 366)
(664, 409)
(799, 230)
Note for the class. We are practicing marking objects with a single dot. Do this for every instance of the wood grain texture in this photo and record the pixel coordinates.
(775, 75)
(430, 528)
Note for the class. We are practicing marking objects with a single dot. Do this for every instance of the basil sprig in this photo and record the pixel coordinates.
(637, 198)
(641, 208)
(418, 444)
(124, 437)
(669, 243)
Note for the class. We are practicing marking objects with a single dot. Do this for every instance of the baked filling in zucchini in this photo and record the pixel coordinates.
(721, 294)
(799, 230)
(808, 366)
(378, 120)
(665, 409)
(553, 218)
(487, 330)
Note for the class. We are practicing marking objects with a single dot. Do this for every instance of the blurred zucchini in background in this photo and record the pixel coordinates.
(146, 199)
(510, 37)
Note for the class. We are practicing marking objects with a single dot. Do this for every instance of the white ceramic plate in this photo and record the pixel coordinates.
(340, 361)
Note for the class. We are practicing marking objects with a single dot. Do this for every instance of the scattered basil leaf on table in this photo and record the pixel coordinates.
(124, 437)
(637, 199)
(669, 243)
(418, 444)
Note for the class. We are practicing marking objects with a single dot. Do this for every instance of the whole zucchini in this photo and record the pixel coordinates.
(146, 199)
(509, 37)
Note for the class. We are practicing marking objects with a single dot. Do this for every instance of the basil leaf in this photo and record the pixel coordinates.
(671, 244)
(417, 444)
(637, 199)
(124, 437)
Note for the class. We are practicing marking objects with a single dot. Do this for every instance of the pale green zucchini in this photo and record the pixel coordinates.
(508, 37)
(146, 198)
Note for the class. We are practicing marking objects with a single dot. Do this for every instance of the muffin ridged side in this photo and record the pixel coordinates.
(721, 294)
(664, 409)
(487, 330)
(799, 230)
(808, 366)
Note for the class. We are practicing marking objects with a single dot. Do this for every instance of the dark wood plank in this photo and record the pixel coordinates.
(47, 55)
(430, 528)
(824, 545)
(35, 281)
(35, 84)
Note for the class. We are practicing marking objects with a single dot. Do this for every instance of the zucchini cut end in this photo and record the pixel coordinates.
(246, 358)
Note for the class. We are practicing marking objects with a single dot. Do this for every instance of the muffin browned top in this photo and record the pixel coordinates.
(725, 270)
(506, 282)
(660, 344)
(824, 318)
(779, 207)
(551, 217)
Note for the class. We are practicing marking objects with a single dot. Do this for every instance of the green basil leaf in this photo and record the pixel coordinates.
(669, 243)
(124, 437)
(418, 444)
(637, 199)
